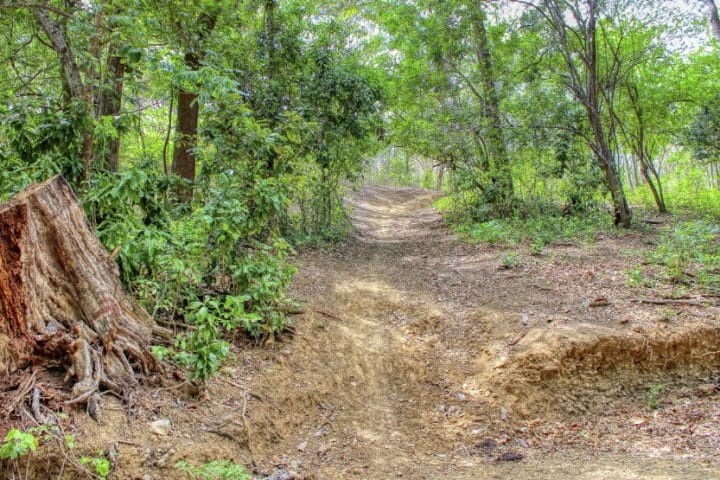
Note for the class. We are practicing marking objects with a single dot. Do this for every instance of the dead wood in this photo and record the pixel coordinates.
(61, 300)
(671, 301)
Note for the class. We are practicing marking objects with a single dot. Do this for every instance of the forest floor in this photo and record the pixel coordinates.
(418, 356)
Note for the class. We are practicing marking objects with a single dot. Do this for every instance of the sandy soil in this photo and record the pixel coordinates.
(418, 357)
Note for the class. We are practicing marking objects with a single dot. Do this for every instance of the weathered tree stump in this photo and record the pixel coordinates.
(61, 300)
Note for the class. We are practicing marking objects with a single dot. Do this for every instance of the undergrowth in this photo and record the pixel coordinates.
(537, 231)
(688, 253)
(19, 446)
(215, 470)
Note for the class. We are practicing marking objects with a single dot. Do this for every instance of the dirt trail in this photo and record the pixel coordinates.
(400, 327)
(418, 358)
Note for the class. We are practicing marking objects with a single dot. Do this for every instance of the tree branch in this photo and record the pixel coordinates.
(43, 6)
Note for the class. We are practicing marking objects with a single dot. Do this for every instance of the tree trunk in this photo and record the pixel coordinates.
(621, 210)
(188, 110)
(440, 177)
(110, 105)
(76, 89)
(186, 126)
(68, 66)
(501, 173)
(61, 301)
(714, 18)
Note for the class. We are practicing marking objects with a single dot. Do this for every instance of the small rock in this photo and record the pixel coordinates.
(440, 408)
(164, 459)
(638, 421)
(510, 457)
(504, 413)
(287, 476)
(487, 445)
(302, 446)
(707, 389)
(461, 397)
(454, 410)
(522, 443)
(525, 319)
(161, 427)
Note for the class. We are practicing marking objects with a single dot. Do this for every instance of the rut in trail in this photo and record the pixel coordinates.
(374, 368)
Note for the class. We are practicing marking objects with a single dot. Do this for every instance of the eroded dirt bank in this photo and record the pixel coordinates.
(418, 358)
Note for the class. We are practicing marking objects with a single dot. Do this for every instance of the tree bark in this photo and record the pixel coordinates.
(638, 143)
(714, 18)
(76, 89)
(188, 110)
(61, 301)
(186, 127)
(585, 85)
(68, 66)
(621, 210)
(110, 105)
(501, 173)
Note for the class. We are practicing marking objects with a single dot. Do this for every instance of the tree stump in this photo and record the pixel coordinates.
(61, 300)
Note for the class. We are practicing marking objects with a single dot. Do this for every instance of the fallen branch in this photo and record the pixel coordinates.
(330, 315)
(517, 339)
(22, 392)
(671, 301)
(289, 310)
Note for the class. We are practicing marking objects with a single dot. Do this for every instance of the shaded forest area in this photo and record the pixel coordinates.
(208, 142)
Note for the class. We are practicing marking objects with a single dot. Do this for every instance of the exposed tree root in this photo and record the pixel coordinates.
(61, 301)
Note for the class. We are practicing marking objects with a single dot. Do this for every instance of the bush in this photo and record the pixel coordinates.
(689, 252)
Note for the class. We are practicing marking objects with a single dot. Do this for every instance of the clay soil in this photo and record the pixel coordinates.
(418, 356)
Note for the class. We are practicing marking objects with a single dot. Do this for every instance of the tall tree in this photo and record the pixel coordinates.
(574, 24)
(714, 18)
(188, 109)
(501, 174)
(79, 92)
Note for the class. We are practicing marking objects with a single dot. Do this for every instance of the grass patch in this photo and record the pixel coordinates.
(689, 253)
(537, 231)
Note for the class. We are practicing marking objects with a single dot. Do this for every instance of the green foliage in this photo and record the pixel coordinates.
(538, 231)
(201, 350)
(703, 134)
(18, 444)
(215, 470)
(511, 260)
(689, 251)
(654, 394)
(99, 463)
(635, 277)
(688, 189)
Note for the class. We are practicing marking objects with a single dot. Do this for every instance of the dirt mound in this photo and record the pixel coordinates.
(583, 368)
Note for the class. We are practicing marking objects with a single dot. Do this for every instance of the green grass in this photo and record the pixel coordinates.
(689, 253)
(536, 231)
